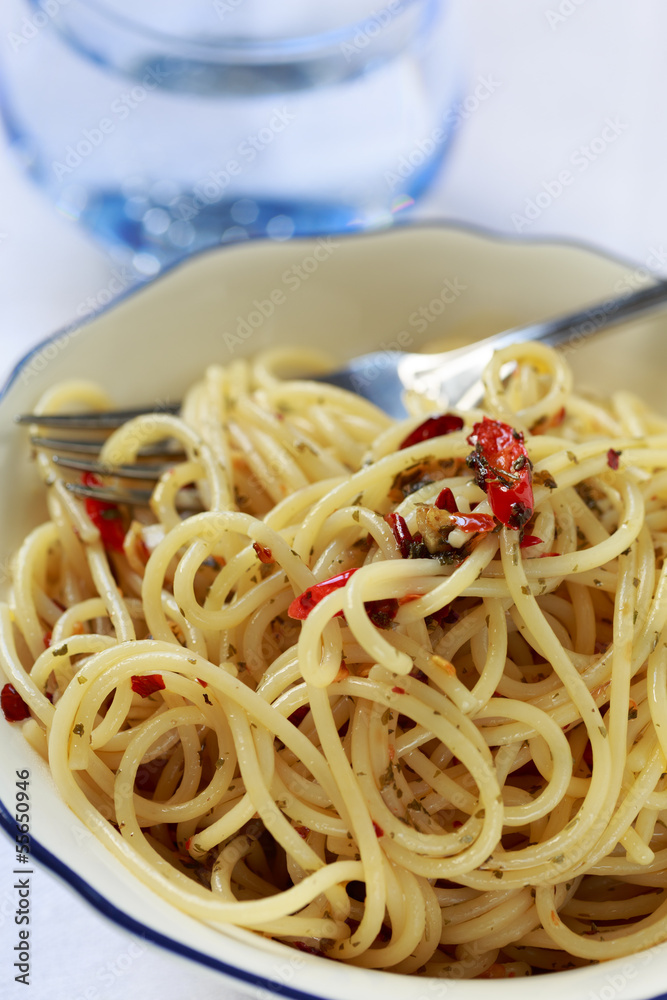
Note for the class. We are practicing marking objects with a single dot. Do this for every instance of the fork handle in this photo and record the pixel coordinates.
(578, 326)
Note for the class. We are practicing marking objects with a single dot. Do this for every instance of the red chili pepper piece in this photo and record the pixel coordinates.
(402, 533)
(302, 605)
(379, 832)
(503, 471)
(105, 516)
(612, 458)
(47, 639)
(308, 948)
(473, 522)
(265, 555)
(432, 427)
(382, 612)
(13, 706)
(470, 523)
(398, 690)
(444, 616)
(408, 598)
(529, 540)
(588, 754)
(204, 684)
(445, 501)
(545, 424)
(147, 684)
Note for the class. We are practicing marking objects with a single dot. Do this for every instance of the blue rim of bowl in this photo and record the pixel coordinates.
(132, 926)
(80, 885)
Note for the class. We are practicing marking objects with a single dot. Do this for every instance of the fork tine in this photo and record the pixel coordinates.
(103, 420)
(148, 472)
(185, 499)
(111, 494)
(78, 447)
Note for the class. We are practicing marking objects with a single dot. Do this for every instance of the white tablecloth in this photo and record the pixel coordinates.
(569, 141)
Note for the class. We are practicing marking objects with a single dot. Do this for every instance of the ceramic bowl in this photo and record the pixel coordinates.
(411, 287)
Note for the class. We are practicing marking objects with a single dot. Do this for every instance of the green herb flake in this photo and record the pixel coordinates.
(61, 650)
(387, 777)
(416, 806)
(78, 729)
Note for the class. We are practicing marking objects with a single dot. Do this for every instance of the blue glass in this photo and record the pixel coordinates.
(166, 126)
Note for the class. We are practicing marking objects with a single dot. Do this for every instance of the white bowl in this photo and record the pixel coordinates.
(348, 295)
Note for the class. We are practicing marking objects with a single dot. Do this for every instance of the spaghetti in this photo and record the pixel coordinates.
(396, 694)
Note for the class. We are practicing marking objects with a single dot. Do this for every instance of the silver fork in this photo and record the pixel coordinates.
(451, 378)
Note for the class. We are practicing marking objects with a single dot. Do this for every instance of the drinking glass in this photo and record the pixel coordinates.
(166, 126)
